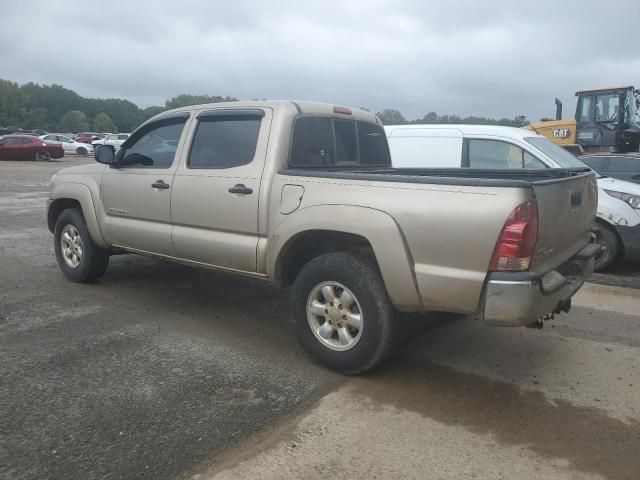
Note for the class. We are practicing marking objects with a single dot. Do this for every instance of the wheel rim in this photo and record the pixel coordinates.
(43, 155)
(71, 246)
(335, 316)
(81, 151)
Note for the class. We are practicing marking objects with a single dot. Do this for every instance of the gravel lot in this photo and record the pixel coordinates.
(160, 371)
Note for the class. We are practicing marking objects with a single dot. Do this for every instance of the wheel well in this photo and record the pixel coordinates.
(307, 245)
(57, 207)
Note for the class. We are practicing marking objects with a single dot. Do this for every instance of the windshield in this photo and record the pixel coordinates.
(556, 153)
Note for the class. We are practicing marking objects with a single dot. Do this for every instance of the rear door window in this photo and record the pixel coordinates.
(224, 142)
(597, 163)
(624, 164)
(498, 155)
(324, 141)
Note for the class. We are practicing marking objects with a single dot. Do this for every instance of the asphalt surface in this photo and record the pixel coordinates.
(161, 371)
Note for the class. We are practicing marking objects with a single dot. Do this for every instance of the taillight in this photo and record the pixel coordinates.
(517, 241)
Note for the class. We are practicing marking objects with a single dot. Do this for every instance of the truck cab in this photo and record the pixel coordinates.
(607, 119)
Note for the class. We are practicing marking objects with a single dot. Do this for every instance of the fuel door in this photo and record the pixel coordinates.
(290, 198)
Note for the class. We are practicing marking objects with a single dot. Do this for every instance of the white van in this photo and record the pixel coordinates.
(489, 146)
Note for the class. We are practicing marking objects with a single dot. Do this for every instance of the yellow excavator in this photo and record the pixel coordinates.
(606, 120)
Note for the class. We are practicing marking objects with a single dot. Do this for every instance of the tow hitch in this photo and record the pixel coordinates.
(562, 307)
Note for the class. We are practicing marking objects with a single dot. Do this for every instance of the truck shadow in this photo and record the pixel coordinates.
(587, 438)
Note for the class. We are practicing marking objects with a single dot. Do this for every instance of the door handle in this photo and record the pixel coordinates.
(240, 188)
(160, 184)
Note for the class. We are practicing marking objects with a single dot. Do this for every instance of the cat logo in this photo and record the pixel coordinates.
(561, 133)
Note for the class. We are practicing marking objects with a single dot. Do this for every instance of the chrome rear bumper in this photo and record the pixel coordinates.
(521, 298)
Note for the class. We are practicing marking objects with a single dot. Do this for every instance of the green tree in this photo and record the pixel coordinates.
(103, 123)
(431, 117)
(149, 112)
(185, 100)
(520, 121)
(11, 103)
(390, 116)
(73, 121)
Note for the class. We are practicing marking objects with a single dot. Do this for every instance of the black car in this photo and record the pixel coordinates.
(623, 166)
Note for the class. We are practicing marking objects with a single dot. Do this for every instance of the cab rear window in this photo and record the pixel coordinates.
(335, 142)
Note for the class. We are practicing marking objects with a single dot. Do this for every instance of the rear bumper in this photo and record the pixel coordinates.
(520, 298)
(630, 237)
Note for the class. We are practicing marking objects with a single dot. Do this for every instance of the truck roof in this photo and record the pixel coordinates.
(609, 89)
(462, 130)
(302, 107)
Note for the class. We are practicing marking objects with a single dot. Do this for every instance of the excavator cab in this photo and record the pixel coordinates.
(608, 119)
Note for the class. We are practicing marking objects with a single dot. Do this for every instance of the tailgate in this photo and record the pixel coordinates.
(566, 210)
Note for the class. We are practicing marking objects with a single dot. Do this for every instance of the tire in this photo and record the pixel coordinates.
(81, 151)
(81, 260)
(43, 156)
(318, 328)
(607, 238)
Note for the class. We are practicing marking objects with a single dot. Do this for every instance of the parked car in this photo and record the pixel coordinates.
(87, 137)
(69, 145)
(623, 166)
(483, 146)
(27, 147)
(114, 139)
(303, 194)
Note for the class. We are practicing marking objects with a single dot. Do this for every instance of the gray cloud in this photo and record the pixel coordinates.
(492, 58)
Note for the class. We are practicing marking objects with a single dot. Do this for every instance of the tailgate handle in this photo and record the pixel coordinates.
(576, 199)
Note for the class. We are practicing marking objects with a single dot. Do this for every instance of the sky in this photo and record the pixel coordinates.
(464, 57)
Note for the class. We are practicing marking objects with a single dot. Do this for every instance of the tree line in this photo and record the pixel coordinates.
(395, 117)
(56, 108)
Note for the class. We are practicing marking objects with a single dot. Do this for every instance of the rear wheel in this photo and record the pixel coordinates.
(43, 156)
(79, 258)
(341, 312)
(607, 238)
(81, 151)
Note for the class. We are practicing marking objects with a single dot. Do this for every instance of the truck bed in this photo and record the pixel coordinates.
(452, 232)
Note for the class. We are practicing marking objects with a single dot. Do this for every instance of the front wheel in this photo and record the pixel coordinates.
(43, 156)
(81, 151)
(341, 312)
(79, 258)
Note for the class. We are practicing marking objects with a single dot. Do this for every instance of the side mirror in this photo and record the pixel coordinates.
(105, 154)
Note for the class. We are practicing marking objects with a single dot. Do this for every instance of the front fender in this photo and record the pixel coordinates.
(379, 228)
(82, 194)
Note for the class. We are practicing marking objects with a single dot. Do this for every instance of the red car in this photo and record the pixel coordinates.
(26, 147)
(86, 137)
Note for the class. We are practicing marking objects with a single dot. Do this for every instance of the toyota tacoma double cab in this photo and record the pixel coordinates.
(303, 194)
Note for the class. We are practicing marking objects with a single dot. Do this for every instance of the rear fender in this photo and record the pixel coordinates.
(383, 233)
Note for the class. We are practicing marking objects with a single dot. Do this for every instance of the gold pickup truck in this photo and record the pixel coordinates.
(303, 194)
